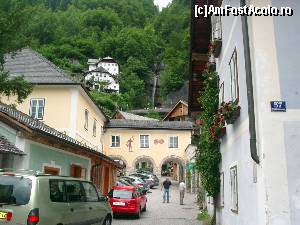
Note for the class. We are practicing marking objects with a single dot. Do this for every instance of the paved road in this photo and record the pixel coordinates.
(159, 213)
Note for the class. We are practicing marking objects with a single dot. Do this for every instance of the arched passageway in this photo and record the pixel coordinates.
(172, 166)
(144, 163)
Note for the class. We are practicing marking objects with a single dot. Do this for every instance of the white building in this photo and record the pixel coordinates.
(260, 168)
(105, 71)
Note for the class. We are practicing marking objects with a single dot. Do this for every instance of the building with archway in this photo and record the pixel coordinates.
(149, 144)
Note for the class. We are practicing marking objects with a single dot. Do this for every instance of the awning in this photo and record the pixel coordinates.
(8, 148)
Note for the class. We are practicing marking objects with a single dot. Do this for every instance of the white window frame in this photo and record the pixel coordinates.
(37, 108)
(113, 142)
(86, 119)
(234, 76)
(234, 189)
(222, 189)
(95, 128)
(171, 145)
(143, 142)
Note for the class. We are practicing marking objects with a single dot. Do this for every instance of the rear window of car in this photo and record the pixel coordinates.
(122, 194)
(15, 190)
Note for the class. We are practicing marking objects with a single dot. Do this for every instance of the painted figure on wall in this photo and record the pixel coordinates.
(129, 144)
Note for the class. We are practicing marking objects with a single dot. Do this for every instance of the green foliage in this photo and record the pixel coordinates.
(153, 114)
(134, 32)
(208, 151)
(12, 17)
(204, 217)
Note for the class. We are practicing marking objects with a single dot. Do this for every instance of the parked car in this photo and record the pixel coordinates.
(127, 200)
(137, 181)
(150, 179)
(31, 198)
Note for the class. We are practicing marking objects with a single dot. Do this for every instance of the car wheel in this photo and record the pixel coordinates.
(107, 221)
(138, 215)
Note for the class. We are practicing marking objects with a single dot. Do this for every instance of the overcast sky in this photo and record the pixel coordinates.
(162, 3)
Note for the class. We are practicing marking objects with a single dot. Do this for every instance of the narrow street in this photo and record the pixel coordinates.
(159, 213)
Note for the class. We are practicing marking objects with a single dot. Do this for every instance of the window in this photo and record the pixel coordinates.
(115, 141)
(57, 193)
(101, 133)
(15, 190)
(37, 106)
(90, 192)
(95, 128)
(173, 142)
(144, 141)
(216, 27)
(74, 191)
(234, 76)
(86, 119)
(77, 171)
(234, 189)
(221, 93)
(222, 189)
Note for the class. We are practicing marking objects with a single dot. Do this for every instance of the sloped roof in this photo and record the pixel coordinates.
(99, 69)
(149, 124)
(8, 148)
(44, 129)
(131, 116)
(35, 68)
(179, 102)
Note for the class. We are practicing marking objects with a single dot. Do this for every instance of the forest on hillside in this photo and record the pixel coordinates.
(134, 32)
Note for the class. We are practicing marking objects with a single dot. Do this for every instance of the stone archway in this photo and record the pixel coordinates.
(120, 159)
(172, 166)
(144, 162)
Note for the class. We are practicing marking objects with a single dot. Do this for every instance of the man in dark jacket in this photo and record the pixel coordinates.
(166, 185)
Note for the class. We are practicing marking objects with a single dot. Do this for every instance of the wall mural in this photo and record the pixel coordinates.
(129, 144)
(159, 141)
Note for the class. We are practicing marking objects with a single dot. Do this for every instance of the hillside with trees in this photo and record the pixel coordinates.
(134, 32)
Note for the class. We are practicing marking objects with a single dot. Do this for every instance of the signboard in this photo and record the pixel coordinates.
(278, 106)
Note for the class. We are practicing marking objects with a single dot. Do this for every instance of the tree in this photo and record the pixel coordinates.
(11, 21)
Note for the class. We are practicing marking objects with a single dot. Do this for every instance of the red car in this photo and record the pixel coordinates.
(127, 200)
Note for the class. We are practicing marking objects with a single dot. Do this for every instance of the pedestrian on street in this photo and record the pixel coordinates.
(182, 188)
(166, 186)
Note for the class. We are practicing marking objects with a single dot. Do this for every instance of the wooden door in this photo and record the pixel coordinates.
(51, 170)
(106, 180)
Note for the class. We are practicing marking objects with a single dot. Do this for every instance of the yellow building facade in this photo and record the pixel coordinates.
(57, 100)
(148, 144)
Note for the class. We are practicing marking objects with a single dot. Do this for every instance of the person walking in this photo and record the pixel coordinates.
(182, 188)
(166, 186)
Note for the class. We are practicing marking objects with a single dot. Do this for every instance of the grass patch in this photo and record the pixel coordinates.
(204, 217)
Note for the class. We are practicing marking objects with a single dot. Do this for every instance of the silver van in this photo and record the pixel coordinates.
(30, 199)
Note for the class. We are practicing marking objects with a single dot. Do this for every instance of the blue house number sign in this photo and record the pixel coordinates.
(278, 106)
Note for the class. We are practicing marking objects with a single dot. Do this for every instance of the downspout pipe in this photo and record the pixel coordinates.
(249, 81)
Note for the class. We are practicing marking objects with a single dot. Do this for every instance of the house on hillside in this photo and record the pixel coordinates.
(257, 62)
(178, 113)
(103, 72)
(27, 143)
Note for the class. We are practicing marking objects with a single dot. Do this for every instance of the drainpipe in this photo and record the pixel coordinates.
(252, 128)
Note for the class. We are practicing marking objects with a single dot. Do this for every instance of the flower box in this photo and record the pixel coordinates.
(233, 115)
(230, 111)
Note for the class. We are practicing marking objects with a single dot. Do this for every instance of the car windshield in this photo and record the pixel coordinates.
(122, 194)
(14, 190)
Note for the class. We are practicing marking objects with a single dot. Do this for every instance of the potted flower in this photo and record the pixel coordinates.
(215, 47)
(231, 111)
(218, 129)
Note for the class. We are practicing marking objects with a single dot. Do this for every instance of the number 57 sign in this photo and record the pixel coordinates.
(278, 106)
